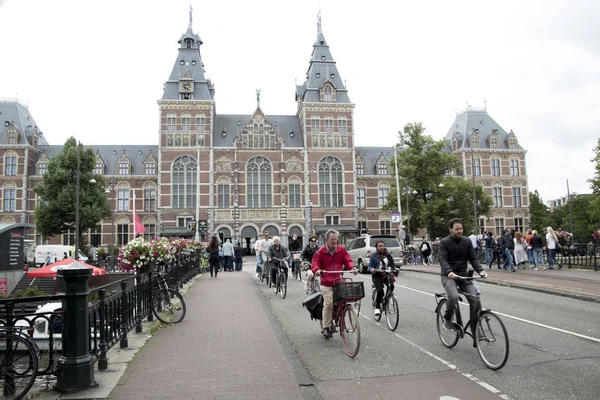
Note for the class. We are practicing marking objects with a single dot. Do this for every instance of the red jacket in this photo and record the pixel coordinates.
(340, 260)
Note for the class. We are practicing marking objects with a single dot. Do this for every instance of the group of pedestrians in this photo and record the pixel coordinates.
(226, 256)
(516, 249)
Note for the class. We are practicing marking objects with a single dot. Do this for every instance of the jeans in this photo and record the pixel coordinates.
(488, 255)
(509, 259)
(258, 262)
(551, 258)
(529, 254)
(538, 257)
(378, 281)
(451, 286)
(228, 263)
(214, 266)
(238, 265)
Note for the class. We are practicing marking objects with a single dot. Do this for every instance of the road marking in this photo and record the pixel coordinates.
(593, 339)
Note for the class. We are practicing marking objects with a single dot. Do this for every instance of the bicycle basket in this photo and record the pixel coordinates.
(348, 291)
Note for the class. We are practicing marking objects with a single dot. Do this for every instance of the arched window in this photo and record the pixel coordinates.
(185, 171)
(259, 183)
(331, 192)
(223, 193)
(10, 163)
(315, 128)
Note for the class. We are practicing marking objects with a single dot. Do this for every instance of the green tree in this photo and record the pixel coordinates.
(422, 167)
(579, 211)
(595, 181)
(539, 214)
(55, 213)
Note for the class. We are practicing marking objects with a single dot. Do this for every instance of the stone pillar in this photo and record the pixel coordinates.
(75, 370)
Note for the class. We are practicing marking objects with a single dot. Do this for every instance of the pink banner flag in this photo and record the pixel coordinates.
(139, 227)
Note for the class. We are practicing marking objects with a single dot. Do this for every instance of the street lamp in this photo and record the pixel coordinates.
(111, 187)
(476, 228)
(399, 200)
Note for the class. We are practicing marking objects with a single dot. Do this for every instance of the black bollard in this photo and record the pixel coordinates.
(139, 287)
(75, 368)
(102, 359)
(124, 343)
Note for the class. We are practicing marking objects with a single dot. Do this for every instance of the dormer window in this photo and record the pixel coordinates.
(493, 143)
(123, 168)
(382, 169)
(328, 93)
(11, 137)
(99, 169)
(149, 168)
(474, 142)
(360, 169)
(512, 143)
(42, 168)
(455, 145)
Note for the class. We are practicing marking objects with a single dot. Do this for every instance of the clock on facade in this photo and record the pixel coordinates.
(186, 86)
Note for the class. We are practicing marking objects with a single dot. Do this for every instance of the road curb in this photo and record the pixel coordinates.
(577, 296)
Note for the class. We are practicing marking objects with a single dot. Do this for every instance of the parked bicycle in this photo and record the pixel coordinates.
(19, 366)
(491, 338)
(345, 316)
(280, 284)
(168, 304)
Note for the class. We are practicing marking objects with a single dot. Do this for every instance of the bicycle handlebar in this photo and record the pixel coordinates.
(337, 272)
(469, 278)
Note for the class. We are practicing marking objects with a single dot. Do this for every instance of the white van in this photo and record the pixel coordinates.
(56, 253)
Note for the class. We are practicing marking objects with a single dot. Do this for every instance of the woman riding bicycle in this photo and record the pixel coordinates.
(307, 255)
(277, 253)
(379, 262)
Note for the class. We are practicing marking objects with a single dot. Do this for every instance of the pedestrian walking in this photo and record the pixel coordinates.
(238, 256)
(488, 241)
(537, 246)
(520, 252)
(528, 246)
(257, 251)
(551, 245)
(228, 256)
(495, 252)
(507, 246)
(213, 256)
(474, 241)
(425, 250)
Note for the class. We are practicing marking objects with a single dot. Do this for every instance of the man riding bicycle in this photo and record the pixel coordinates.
(330, 257)
(379, 262)
(277, 253)
(454, 252)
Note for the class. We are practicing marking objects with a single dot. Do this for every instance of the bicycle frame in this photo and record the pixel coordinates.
(463, 328)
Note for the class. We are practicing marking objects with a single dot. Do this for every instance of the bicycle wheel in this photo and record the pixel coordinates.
(166, 309)
(357, 305)
(19, 366)
(392, 314)
(375, 317)
(350, 330)
(282, 285)
(449, 337)
(492, 340)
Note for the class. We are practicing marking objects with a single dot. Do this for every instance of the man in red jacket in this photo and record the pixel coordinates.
(330, 257)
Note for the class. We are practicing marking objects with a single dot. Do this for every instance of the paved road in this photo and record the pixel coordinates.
(555, 348)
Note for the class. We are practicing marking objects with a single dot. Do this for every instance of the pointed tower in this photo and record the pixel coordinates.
(187, 110)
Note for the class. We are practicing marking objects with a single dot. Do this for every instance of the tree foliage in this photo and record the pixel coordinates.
(422, 167)
(595, 181)
(539, 214)
(55, 213)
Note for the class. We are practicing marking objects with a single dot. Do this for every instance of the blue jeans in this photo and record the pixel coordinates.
(538, 257)
(529, 254)
(551, 258)
(258, 262)
(509, 259)
(488, 255)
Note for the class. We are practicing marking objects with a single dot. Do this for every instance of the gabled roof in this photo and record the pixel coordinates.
(16, 112)
(371, 155)
(476, 118)
(233, 124)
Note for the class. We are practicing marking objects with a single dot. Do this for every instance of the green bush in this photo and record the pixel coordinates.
(32, 291)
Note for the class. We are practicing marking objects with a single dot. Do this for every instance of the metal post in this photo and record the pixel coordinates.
(397, 189)
(407, 215)
(150, 299)
(570, 211)
(76, 365)
(77, 204)
(102, 358)
(124, 341)
(138, 297)
(476, 228)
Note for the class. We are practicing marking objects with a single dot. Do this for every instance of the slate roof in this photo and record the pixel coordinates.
(111, 155)
(322, 68)
(15, 111)
(370, 155)
(234, 123)
(476, 118)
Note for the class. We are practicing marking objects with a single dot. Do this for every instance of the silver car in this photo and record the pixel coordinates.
(362, 247)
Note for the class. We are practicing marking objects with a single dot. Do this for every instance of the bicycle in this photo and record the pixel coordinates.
(280, 284)
(20, 358)
(266, 269)
(167, 304)
(489, 330)
(296, 273)
(344, 315)
(312, 284)
(389, 304)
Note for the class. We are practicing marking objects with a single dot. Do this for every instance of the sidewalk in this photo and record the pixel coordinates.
(225, 348)
(575, 283)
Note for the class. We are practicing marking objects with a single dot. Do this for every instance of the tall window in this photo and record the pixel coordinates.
(185, 179)
(186, 123)
(68, 239)
(200, 123)
(495, 164)
(10, 165)
(95, 236)
(259, 183)
(384, 227)
(294, 193)
(343, 126)
(332, 219)
(99, 169)
(514, 167)
(516, 196)
(477, 166)
(10, 198)
(149, 199)
(150, 231)
(123, 200)
(123, 168)
(382, 169)
(223, 195)
(360, 169)
(150, 168)
(360, 198)
(122, 234)
(383, 195)
(519, 224)
(331, 192)
(171, 123)
(497, 195)
(499, 224)
(42, 168)
(328, 125)
(362, 225)
(315, 125)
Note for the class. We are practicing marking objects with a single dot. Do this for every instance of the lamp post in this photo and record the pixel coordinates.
(77, 203)
(399, 200)
(111, 188)
(476, 228)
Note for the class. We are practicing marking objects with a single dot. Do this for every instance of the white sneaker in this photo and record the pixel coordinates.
(256, 276)
(377, 312)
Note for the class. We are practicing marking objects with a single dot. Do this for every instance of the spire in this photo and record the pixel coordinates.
(320, 37)
(190, 25)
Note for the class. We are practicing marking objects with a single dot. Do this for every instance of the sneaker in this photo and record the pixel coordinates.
(257, 275)
(377, 312)
(327, 332)
(448, 324)
(536, 269)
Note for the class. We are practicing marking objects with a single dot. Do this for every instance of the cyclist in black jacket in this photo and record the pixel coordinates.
(454, 252)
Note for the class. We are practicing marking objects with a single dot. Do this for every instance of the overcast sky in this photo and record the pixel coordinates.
(95, 70)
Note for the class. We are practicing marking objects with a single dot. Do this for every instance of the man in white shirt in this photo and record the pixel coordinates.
(257, 250)
(475, 242)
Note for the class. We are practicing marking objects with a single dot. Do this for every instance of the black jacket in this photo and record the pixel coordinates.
(454, 254)
(536, 242)
(309, 252)
(238, 253)
(281, 252)
(507, 242)
(295, 245)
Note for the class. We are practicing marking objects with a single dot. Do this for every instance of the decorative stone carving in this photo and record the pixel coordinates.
(223, 165)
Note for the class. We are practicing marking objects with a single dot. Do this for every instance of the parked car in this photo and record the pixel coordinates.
(362, 247)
